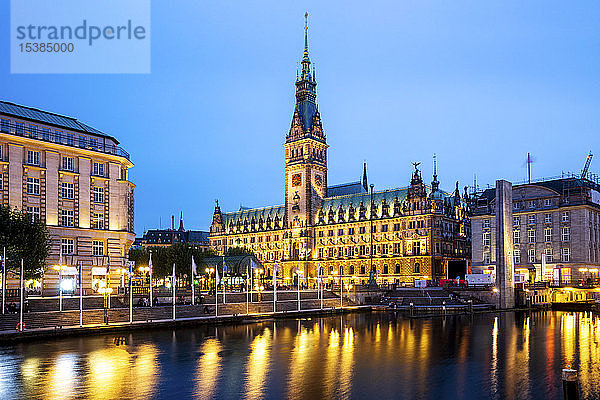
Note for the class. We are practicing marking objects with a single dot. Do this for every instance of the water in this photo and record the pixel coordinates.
(359, 356)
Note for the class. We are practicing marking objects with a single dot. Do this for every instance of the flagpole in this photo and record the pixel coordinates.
(3, 280)
(216, 291)
(298, 276)
(275, 267)
(60, 267)
(247, 279)
(341, 290)
(22, 299)
(151, 268)
(192, 275)
(173, 284)
(80, 296)
(321, 286)
(223, 280)
(130, 292)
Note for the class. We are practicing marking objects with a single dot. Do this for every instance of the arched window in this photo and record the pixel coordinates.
(352, 270)
(417, 268)
(385, 269)
(397, 268)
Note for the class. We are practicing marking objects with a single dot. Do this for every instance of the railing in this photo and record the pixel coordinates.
(62, 138)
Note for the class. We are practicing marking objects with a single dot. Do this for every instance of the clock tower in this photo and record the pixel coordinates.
(305, 153)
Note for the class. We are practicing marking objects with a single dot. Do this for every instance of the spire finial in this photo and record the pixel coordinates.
(306, 33)
(434, 165)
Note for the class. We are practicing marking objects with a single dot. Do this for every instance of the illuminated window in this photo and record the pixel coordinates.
(531, 235)
(548, 234)
(67, 163)
(67, 246)
(98, 194)
(98, 169)
(486, 223)
(531, 219)
(33, 186)
(68, 191)
(486, 238)
(98, 248)
(565, 216)
(486, 257)
(34, 211)
(33, 157)
(531, 255)
(417, 268)
(565, 233)
(565, 255)
(547, 218)
(516, 236)
(516, 221)
(67, 218)
(517, 256)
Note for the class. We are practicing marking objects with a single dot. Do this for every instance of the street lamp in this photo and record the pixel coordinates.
(210, 271)
(60, 269)
(260, 289)
(105, 292)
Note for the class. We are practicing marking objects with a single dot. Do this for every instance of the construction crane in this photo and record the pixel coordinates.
(587, 165)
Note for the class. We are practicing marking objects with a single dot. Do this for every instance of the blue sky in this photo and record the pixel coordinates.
(479, 83)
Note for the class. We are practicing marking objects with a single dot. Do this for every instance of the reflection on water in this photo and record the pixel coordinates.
(497, 356)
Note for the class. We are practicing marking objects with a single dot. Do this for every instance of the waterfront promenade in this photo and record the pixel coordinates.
(46, 320)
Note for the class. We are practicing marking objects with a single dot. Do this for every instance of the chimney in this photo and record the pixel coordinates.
(172, 222)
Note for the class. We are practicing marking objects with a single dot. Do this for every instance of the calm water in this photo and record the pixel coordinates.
(378, 355)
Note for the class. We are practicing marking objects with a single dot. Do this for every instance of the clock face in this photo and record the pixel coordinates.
(318, 180)
(296, 180)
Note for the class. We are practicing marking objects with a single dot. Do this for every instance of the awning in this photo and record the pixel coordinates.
(70, 271)
(99, 271)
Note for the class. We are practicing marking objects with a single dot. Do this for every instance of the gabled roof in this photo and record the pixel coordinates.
(345, 189)
(256, 213)
(49, 118)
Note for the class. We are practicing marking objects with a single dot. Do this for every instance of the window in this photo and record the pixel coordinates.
(385, 269)
(547, 202)
(517, 256)
(33, 186)
(98, 248)
(1, 182)
(548, 218)
(67, 218)
(0, 152)
(397, 268)
(416, 249)
(4, 125)
(516, 236)
(98, 195)
(350, 231)
(396, 227)
(397, 248)
(486, 257)
(565, 255)
(67, 246)
(565, 216)
(98, 169)
(362, 269)
(67, 163)
(19, 128)
(374, 229)
(531, 236)
(565, 234)
(82, 141)
(46, 132)
(384, 228)
(531, 255)
(68, 191)
(548, 234)
(330, 233)
(486, 238)
(34, 211)
(361, 230)
(531, 203)
(32, 131)
(33, 157)
(340, 232)
(320, 233)
(548, 255)
(417, 268)
(486, 223)
(70, 139)
(531, 219)
(516, 221)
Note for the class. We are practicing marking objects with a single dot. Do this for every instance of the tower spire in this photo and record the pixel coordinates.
(306, 35)
(435, 184)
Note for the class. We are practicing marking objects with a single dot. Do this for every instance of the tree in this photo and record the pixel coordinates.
(24, 237)
(164, 257)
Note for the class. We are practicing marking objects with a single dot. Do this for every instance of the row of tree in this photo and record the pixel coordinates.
(26, 238)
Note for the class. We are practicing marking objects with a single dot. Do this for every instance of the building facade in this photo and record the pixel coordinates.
(75, 178)
(168, 237)
(555, 230)
(415, 232)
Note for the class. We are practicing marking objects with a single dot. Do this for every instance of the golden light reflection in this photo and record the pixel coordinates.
(108, 372)
(257, 366)
(209, 369)
(146, 371)
(61, 378)
(568, 336)
(377, 334)
(300, 363)
(331, 365)
(346, 365)
(494, 367)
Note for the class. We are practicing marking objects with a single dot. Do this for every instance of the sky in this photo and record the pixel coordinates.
(479, 83)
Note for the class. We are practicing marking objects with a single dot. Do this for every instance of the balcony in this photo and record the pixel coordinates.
(64, 139)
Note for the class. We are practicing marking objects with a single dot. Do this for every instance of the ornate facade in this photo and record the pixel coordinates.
(416, 232)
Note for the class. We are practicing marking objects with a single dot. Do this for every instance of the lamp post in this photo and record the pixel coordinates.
(144, 271)
(105, 292)
(371, 233)
(260, 289)
(59, 268)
